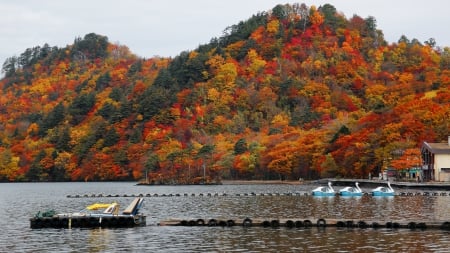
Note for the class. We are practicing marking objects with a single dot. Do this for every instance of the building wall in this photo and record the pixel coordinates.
(442, 161)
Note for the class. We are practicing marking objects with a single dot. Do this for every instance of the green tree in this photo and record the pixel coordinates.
(81, 105)
(330, 167)
(92, 46)
(52, 119)
(111, 137)
(61, 139)
(240, 147)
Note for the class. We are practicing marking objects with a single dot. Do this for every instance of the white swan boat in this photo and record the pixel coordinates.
(324, 191)
(383, 191)
(351, 191)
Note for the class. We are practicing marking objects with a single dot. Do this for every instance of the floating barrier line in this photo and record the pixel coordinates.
(309, 223)
(216, 194)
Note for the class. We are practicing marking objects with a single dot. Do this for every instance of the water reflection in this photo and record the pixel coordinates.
(20, 201)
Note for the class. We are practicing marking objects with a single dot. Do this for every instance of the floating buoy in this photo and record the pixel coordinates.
(411, 225)
(299, 224)
(392, 225)
(290, 224)
(230, 223)
(340, 224)
(275, 223)
(266, 223)
(321, 223)
(200, 222)
(247, 222)
(307, 223)
(445, 225)
(212, 222)
(375, 225)
(421, 225)
(362, 224)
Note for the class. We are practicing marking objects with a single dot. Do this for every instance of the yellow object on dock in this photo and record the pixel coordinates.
(97, 206)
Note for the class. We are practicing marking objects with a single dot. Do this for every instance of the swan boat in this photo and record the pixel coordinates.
(93, 217)
(351, 191)
(324, 191)
(383, 191)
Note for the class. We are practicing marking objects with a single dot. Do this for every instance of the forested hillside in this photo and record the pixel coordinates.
(294, 92)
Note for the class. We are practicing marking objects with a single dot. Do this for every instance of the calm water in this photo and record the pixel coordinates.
(20, 201)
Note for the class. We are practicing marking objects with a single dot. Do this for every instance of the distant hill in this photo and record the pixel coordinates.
(294, 92)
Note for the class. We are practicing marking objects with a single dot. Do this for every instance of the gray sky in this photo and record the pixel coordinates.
(167, 27)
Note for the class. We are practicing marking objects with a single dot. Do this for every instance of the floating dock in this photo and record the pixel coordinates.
(87, 222)
(309, 223)
(109, 218)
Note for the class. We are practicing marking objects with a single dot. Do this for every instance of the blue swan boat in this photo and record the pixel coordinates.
(383, 191)
(351, 191)
(324, 191)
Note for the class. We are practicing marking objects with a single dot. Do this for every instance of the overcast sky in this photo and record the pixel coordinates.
(167, 27)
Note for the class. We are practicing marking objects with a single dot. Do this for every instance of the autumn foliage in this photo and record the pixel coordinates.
(295, 92)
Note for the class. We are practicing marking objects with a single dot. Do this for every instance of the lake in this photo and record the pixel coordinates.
(20, 201)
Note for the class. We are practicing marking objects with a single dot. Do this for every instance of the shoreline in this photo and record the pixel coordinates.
(254, 182)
